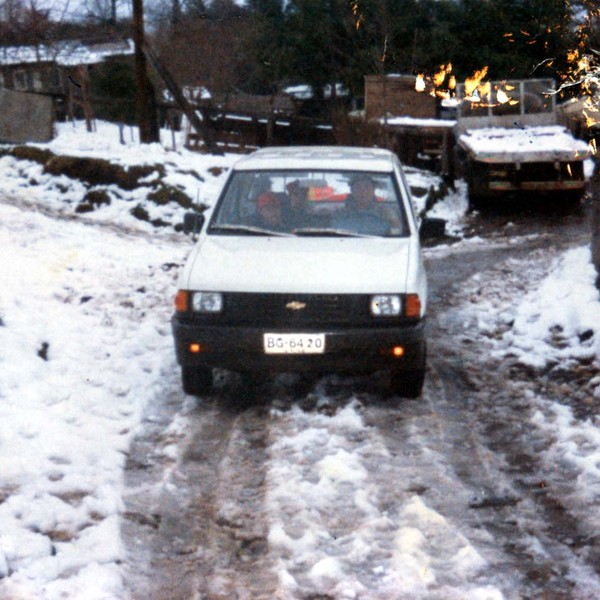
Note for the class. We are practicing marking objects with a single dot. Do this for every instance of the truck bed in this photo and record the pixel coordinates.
(521, 145)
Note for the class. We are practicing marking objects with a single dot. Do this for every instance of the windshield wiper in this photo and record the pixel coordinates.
(251, 229)
(330, 231)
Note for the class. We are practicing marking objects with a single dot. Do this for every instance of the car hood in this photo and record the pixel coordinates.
(298, 265)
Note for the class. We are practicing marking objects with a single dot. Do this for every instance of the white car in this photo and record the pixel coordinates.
(310, 260)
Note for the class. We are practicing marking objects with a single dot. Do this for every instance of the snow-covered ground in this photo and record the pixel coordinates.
(85, 344)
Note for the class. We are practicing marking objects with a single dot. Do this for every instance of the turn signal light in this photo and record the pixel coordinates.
(181, 301)
(395, 351)
(412, 306)
(195, 348)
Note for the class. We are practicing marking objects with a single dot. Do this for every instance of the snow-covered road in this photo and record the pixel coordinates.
(339, 492)
(114, 485)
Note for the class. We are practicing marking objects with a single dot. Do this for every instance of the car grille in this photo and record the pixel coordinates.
(296, 309)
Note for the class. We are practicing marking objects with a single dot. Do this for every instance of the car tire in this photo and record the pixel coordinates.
(196, 381)
(407, 384)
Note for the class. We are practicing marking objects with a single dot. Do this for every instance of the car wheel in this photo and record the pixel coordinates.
(407, 384)
(196, 381)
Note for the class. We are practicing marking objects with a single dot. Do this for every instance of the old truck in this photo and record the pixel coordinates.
(510, 141)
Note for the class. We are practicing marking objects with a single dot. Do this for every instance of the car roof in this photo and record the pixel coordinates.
(344, 158)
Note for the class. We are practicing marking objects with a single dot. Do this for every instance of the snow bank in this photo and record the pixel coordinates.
(199, 176)
(560, 320)
(84, 344)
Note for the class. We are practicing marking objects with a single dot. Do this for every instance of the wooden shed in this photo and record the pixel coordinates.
(47, 68)
(395, 95)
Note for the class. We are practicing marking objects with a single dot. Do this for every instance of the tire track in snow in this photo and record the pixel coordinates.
(500, 464)
(495, 404)
(347, 515)
(195, 527)
(429, 450)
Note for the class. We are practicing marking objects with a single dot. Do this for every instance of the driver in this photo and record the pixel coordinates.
(362, 199)
(362, 195)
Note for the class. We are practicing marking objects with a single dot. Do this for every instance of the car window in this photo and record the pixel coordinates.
(327, 203)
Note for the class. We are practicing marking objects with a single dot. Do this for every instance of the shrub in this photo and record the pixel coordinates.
(91, 170)
(32, 153)
(97, 171)
(167, 193)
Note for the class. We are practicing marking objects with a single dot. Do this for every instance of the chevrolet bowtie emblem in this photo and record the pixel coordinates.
(295, 305)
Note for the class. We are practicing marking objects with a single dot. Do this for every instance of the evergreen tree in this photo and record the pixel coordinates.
(312, 33)
(113, 87)
(266, 45)
(514, 38)
(322, 42)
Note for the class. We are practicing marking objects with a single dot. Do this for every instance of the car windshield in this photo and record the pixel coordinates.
(310, 204)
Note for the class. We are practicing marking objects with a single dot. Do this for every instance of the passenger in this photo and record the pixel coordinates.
(269, 211)
(296, 213)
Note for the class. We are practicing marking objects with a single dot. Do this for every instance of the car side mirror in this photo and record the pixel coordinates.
(193, 223)
(432, 228)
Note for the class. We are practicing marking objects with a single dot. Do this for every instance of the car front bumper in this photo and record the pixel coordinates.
(355, 350)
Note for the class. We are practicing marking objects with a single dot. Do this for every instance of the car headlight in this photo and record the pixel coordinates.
(207, 302)
(386, 305)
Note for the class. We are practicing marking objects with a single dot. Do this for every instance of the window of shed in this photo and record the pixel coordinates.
(20, 80)
(35, 81)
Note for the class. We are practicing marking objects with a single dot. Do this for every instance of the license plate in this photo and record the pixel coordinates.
(294, 343)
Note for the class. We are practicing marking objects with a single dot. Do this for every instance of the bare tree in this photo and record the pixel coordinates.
(104, 11)
(26, 24)
(206, 53)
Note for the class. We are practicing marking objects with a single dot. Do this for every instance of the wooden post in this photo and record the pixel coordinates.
(84, 77)
(203, 126)
(142, 98)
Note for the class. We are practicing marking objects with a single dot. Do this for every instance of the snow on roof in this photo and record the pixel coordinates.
(416, 122)
(305, 91)
(65, 53)
(300, 92)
